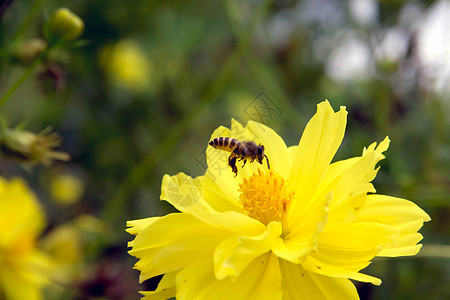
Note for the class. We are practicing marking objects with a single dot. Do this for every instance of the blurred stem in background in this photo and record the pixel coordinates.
(20, 30)
(27, 20)
(28, 71)
(141, 170)
(435, 250)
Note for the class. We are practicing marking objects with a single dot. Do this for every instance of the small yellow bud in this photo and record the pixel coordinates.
(66, 188)
(25, 146)
(64, 25)
(127, 65)
(29, 50)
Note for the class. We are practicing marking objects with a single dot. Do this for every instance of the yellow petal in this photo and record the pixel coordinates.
(400, 251)
(312, 224)
(300, 284)
(350, 182)
(234, 254)
(337, 168)
(292, 152)
(185, 194)
(137, 226)
(350, 259)
(320, 140)
(391, 211)
(182, 191)
(174, 242)
(261, 280)
(270, 283)
(346, 249)
(294, 252)
(16, 287)
(25, 278)
(274, 145)
(215, 196)
(314, 265)
(404, 216)
(20, 213)
(383, 146)
(360, 235)
(165, 290)
(302, 240)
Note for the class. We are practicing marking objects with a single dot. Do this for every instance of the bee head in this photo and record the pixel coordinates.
(260, 153)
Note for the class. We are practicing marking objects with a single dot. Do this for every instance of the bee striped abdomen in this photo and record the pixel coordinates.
(245, 150)
(224, 143)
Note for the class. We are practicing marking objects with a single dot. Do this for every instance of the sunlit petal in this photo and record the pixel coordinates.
(275, 148)
(320, 140)
(173, 242)
(301, 284)
(314, 265)
(234, 254)
(260, 280)
(165, 290)
(184, 193)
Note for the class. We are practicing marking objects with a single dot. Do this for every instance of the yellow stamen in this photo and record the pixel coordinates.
(265, 196)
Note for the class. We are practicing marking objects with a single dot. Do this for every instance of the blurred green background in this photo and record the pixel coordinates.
(153, 79)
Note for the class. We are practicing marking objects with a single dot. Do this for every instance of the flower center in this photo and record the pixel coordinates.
(265, 196)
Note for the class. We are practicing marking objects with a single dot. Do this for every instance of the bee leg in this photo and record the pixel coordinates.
(244, 162)
(232, 164)
(267, 159)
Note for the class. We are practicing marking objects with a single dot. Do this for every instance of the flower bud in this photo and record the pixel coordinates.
(25, 146)
(66, 188)
(64, 25)
(29, 50)
(127, 66)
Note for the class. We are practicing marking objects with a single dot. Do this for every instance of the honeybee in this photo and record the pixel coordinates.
(243, 150)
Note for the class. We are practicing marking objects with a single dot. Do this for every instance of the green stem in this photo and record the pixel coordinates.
(20, 80)
(30, 69)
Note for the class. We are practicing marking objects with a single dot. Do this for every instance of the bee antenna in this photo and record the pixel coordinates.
(267, 159)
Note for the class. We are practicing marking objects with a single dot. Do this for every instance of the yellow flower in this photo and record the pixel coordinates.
(127, 66)
(300, 230)
(65, 245)
(66, 188)
(24, 269)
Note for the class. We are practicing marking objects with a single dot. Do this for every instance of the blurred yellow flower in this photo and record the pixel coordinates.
(24, 270)
(127, 66)
(65, 244)
(300, 230)
(66, 188)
